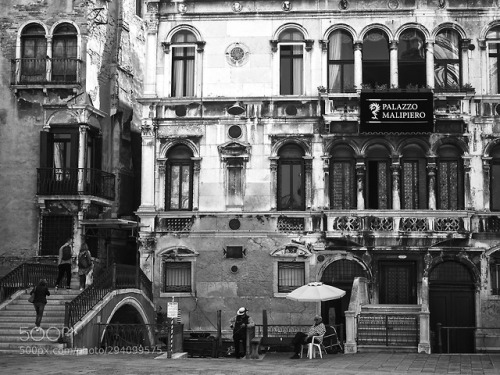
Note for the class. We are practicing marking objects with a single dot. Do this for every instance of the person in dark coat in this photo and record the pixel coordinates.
(239, 324)
(64, 263)
(41, 291)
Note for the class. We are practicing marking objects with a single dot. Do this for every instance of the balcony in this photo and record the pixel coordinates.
(75, 181)
(46, 72)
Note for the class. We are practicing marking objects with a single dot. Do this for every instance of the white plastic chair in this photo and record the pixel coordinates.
(312, 346)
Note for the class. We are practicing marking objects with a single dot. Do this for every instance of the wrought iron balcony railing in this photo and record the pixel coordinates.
(75, 181)
(33, 71)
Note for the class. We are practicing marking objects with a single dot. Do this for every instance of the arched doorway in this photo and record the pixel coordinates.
(126, 329)
(451, 303)
(340, 274)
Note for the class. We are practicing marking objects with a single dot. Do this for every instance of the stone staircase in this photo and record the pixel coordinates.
(388, 328)
(17, 323)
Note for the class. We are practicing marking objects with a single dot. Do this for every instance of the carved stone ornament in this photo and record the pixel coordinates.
(237, 54)
(343, 4)
(147, 243)
(292, 251)
(237, 7)
(393, 4)
(234, 149)
(179, 252)
(286, 6)
(182, 8)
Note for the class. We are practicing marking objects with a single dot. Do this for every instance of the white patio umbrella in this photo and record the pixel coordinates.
(315, 292)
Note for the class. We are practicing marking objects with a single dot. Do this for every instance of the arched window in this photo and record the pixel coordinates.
(450, 190)
(179, 179)
(413, 178)
(64, 53)
(376, 63)
(342, 273)
(411, 58)
(183, 63)
(291, 44)
(342, 178)
(493, 46)
(291, 178)
(378, 178)
(340, 61)
(33, 54)
(495, 179)
(447, 59)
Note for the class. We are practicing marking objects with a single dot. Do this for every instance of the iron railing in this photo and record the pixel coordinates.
(388, 330)
(136, 338)
(450, 330)
(73, 181)
(25, 276)
(27, 71)
(118, 276)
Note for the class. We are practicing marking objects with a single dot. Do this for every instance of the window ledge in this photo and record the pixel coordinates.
(176, 294)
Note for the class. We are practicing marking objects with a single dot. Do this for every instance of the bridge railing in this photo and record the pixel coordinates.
(26, 275)
(118, 276)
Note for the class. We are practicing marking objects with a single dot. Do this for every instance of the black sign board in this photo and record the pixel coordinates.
(396, 112)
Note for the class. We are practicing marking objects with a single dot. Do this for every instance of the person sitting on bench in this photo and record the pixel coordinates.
(301, 338)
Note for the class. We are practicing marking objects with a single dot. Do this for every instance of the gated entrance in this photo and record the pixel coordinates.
(451, 303)
(398, 283)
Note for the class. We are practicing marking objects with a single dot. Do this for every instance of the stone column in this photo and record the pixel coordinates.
(396, 195)
(148, 166)
(393, 56)
(486, 183)
(82, 158)
(274, 182)
(308, 187)
(431, 178)
(350, 346)
(360, 184)
(161, 184)
(424, 345)
(151, 47)
(467, 185)
(464, 51)
(196, 183)
(326, 177)
(429, 63)
(358, 65)
(49, 65)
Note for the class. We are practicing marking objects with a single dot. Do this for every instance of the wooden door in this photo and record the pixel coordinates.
(398, 283)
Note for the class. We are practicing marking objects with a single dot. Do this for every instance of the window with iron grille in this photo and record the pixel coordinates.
(291, 275)
(234, 252)
(495, 273)
(177, 277)
(55, 230)
(342, 271)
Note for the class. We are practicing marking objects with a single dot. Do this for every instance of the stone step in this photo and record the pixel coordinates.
(390, 309)
(10, 321)
(13, 308)
(386, 349)
(6, 314)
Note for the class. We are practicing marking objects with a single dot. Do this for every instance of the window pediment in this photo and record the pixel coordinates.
(292, 251)
(178, 252)
(234, 149)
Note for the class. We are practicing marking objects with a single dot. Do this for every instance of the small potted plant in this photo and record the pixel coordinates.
(321, 89)
(468, 88)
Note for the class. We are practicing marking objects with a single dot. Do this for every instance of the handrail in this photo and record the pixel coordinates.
(26, 275)
(440, 327)
(118, 276)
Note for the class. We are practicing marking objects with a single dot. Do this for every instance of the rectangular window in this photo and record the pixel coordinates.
(495, 277)
(495, 187)
(342, 186)
(183, 71)
(55, 230)
(234, 183)
(291, 70)
(291, 195)
(493, 57)
(180, 181)
(410, 185)
(291, 275)
(234, 252)
(378, 184)
(177, 277)
(448, 185)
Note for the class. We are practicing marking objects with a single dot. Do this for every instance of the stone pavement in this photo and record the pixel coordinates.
(271, 363)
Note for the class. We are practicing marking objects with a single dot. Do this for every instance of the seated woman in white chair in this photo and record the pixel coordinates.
(301, 338)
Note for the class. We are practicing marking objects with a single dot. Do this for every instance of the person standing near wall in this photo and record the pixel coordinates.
(239, 324)
(64, 263)
(40, 293)
(84, 264)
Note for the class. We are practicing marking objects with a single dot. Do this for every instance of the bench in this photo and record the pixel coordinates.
(276, 337)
